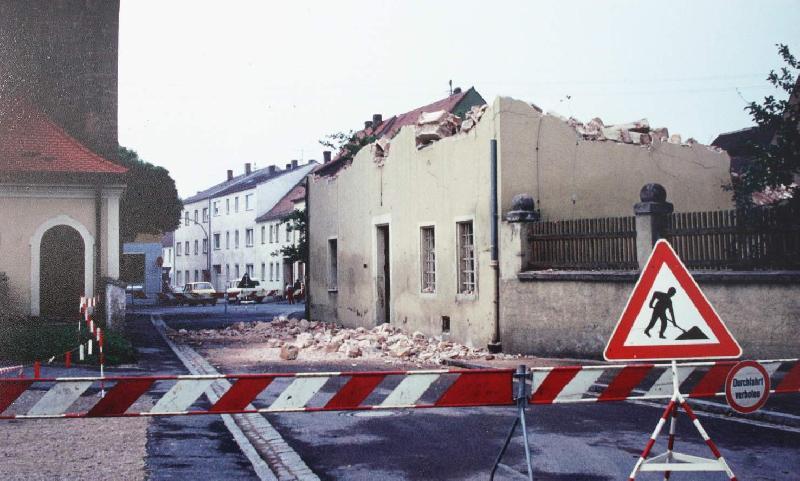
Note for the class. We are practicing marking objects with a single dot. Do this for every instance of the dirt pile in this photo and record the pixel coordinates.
(312, 340)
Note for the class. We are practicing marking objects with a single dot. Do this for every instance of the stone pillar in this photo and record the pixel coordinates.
(651, 219)
(515, 249)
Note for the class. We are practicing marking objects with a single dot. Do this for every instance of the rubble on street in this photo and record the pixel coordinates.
(304, 340)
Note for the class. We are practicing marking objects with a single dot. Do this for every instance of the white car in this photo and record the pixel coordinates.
(246, 290)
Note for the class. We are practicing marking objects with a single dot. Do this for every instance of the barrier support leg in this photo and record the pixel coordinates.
(522, 401)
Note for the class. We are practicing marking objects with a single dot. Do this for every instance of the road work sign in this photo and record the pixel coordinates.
(668, 317)
(747, 387)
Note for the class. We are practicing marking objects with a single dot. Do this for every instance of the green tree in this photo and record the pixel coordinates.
(777, 164)
(347, 144)
(150, 204)
(296, 221)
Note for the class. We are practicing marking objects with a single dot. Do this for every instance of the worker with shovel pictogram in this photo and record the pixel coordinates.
(663, 303)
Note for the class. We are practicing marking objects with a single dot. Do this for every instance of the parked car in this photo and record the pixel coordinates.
(195, 293)
(246, 290)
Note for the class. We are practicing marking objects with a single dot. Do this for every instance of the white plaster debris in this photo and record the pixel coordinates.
(311, 340)
(433, 126)
(638, 132)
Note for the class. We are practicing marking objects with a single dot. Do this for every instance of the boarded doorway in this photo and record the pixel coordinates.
(61, 273)
(383, 300)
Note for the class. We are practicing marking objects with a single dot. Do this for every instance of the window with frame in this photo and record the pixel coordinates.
(195, 216)
(263, 271)
(227, 206)
(215, 208)
(248, 202)
(236, 269)
(250, 270)
(270, 233)
(236, 204)
(263, 234)
(236, 239)
(428, 259)
(271, 271)
(196, 245)
(179, 280)
(196, 275)
(466, 258)
(186, 218)
(216, 241)
(205, 246)
(333, 265)
(227, 239)
(288, 233)
(248, 237)
(205, 214)
(186, 277)
(178, 249)
(227, 271)
(186, 248)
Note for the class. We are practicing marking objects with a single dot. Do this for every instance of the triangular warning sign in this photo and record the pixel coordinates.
(668, 317)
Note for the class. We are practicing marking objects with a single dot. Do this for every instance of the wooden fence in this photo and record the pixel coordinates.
(584, 244)
(766, 238)
(761, 238)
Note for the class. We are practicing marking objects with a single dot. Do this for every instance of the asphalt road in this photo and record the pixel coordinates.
(589, 442)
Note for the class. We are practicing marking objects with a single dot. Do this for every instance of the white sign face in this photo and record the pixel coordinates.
(747, 386)
(669, 317)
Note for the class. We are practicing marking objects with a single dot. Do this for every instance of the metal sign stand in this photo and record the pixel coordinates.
(522, 401)
(671, 460)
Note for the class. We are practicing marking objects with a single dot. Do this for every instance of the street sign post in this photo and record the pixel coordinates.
(668, 317)
(747, 387)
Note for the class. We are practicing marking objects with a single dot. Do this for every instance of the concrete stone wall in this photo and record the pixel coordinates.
(571, 178)
(115, 306)
(573, 314)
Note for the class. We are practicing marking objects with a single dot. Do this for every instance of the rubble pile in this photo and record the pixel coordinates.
(637, 132)
(433, 126)
(312, 340)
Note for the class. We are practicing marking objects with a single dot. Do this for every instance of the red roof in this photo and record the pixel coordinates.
(391, 126)
(31, 142)
(285, 206)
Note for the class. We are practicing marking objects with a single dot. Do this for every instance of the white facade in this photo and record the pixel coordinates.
(227, 216)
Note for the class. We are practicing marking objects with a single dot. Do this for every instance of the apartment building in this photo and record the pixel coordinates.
(277, 270)
(217, 237)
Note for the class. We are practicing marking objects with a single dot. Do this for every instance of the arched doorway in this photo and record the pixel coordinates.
(61, 272)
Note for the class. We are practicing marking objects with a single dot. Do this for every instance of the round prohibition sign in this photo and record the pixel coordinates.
(747, 387)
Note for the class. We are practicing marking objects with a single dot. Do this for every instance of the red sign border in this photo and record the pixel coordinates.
(728, 380)
(726, 348)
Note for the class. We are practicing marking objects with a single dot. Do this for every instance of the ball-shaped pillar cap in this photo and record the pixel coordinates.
(523, 202)
(653, 193)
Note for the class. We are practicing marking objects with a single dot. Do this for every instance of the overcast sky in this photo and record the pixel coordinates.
(207, 86)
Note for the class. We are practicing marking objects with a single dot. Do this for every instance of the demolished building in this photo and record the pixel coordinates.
(403, 232)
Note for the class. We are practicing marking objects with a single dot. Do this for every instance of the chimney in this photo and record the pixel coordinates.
(367, 124)
(288, 166)
(294, 164)
(457, 90)
(271, 169)
(247, 169)
(326, 156)
(230, 174)
(377, 119)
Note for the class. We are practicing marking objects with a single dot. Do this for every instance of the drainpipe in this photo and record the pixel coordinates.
(98, 223)
(495, 346)
(308, 260)
(208, 243)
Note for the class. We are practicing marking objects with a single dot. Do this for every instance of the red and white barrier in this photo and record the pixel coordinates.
(281, 393)
(580, 384)
(332, 391)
